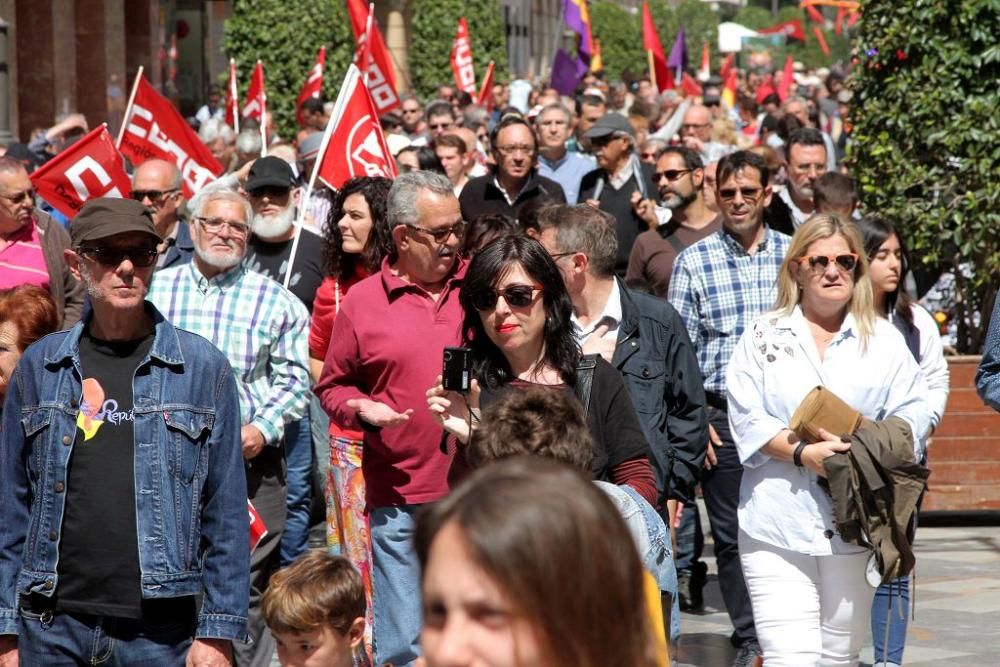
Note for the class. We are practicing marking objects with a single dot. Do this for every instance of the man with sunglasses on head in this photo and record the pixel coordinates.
(123, 525)
(262, 329)
(719, 285)
(32, 245)
(385, 351)
(157, 185)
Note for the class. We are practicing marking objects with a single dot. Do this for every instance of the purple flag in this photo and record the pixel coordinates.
(578, 20)
(678, 59)
(566, 73)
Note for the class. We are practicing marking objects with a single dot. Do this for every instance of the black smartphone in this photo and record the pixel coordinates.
(457, 369)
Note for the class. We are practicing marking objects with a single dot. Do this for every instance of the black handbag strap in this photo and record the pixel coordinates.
(585, 380)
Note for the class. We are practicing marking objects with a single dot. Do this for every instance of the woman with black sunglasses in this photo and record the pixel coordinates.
(517, 326)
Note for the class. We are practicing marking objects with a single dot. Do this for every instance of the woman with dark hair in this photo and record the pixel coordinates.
(526, 564)
(357, 240)
(518, 328)
(27, 313)
(483, 229)
(418, 158)
(888, 265)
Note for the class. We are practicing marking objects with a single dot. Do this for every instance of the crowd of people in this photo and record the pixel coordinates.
(643, 292)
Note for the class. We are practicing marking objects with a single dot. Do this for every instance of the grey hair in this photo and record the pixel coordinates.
(657, 143)
(474, 116)
(224, 195)
(401, 205)
(585, 229)
(557, 106)
(248, 141)
(213, 129)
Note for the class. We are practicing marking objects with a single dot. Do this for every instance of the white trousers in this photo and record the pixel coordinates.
(808, 610)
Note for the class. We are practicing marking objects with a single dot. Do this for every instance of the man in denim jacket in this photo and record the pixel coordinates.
(122, 488)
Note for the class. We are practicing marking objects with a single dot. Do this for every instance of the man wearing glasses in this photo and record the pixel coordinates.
(262, 329)
(696, 134)
(719, 285)
(32, 245)
(122, 491)
(440, 119)
(157, 184)
(412, 113)
(385, 351)
(514, 183)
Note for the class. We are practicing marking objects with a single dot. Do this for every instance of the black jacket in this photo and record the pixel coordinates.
(481, 195)
(778, 216)
(619, 204)
(658, 362)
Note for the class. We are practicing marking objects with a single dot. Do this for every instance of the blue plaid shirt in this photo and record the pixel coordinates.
(261, 327)
(718, 289)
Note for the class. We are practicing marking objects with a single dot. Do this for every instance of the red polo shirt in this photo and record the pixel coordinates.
(386, 345)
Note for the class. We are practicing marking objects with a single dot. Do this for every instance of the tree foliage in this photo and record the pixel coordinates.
(285, 36)
(433, 25)
(925, 148)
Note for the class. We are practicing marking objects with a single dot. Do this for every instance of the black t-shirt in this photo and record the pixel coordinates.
(99, 547)
(271, 259)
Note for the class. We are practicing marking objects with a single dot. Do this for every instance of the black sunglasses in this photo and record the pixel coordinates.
(154, 195)
(270, 191)
(670, 174)
(140, 257)
(516, 296)
(846, 262)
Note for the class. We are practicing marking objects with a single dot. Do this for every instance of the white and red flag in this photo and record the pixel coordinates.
(256, 102)
(485, 98)
(90, 168)
(258, 530)
(372, 52)
(232, 99)
(153, 128)
(313, 86)
(353, 144)
(461, 59)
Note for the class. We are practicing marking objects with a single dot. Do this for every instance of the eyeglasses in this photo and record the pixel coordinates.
(845, 262)
(108, 256)
(507, 151)
(516, 296)
(695, 126)
(559, 255)
(270, 191)
(670, 174)
(441, 235)
(417, 110)
(152, 195)
(20, 196)
(749, 194)
(214, 226)
(439, 126)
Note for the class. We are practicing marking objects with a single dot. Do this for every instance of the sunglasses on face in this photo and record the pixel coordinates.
(269, 191)
(152, 195)
(748, 194)
(140, 257)
(820, 262)
(441, 235)
(516, 296)
(20, 196)
(670, 174)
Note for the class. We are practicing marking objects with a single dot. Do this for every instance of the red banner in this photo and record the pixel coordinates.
(790, 29)
(485, 98)
(258, 530)
(256, 100)
(663, 78)
(821, 38)
(155, 129)
(313, 86)
(690, 87)
(354, 144)
(461, 59)
(232, 99)
(727, 64)
(787, 76)
(90, 168)
(381, 81)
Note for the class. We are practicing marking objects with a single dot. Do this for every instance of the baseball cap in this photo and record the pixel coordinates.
(309, 147)
(107, 216)
(608, 124)
(270, 171)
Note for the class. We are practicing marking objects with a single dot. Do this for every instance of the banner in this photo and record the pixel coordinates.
(90, 168)
(663, 78)
(485, 98)
(790, 29)
(313, 87)
(381, 80)
(461, 59)
(232, 99)
(787, 76)
(353, 144)
(256, 98)
(155, 129)
(258, 530)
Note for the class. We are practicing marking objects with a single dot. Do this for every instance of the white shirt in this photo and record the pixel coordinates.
(798, 217)
(774, 366)
(611, 316)
(932, 362)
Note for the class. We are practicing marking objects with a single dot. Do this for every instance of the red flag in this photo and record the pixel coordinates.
(232, 99)
(155, 129)
(727, 64)
(765, 89)
(729, 89)
(838, 25)
(689, 85)
(90, 168)
(313, 87)
(256, 98)
(372, 50)
(790, 29)
(353, 144)
(815, 15)
(852, 18)
(485, 98)
(705, 71)
(461, 59)
(787, 76)
(822, 40)
(663, 79)
(257, 528)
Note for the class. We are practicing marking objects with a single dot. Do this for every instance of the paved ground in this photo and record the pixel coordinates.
(958, 602)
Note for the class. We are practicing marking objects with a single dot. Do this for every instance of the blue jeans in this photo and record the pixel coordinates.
(395, 584)
(690, 541)
(68, 640)
(892, 600)
(298, 458)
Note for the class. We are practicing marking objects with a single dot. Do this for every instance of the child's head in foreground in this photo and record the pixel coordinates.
(315, 608)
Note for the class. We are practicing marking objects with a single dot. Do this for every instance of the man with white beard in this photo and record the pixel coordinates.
(262, 329)
(273, 194)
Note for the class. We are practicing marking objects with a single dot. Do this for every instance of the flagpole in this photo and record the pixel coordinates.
(652, 69)
(128, 108)
(263, 116)
(233, 95)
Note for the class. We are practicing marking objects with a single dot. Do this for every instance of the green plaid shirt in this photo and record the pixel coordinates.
(261, 327)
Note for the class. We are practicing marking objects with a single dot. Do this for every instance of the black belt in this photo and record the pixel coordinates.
(717, 401)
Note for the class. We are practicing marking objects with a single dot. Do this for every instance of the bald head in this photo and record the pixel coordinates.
(697, 123)
(158, 183)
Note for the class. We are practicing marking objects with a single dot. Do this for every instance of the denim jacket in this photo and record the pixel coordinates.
(191, 507)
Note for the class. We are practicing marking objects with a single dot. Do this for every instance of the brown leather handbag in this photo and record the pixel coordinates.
(821, 408)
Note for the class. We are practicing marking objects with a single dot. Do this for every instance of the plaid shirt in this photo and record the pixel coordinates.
(261, 328)
(718, 289)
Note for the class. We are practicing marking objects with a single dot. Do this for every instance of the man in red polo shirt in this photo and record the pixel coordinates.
(385, 352)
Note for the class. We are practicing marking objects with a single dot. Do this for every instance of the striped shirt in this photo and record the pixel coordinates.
(23, 261)
(261, 327)
(718, 289)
